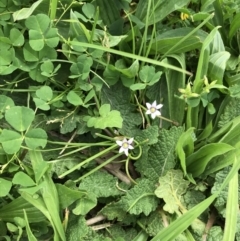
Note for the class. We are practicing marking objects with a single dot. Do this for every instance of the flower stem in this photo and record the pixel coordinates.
(88, 160)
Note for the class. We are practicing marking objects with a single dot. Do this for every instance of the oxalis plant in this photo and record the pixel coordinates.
(119, 120)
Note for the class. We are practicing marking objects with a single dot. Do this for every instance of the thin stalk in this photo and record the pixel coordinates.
(53, 9)
(88, 160)
(99, 167)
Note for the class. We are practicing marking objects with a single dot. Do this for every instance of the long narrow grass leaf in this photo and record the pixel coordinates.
(232, 210)
(129, 55)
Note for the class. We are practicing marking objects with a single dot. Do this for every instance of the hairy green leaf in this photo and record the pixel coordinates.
(141, 198)
(172, 187)
(160, 157)
(101, 184)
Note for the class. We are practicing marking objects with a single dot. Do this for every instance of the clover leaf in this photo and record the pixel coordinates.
(107, 119)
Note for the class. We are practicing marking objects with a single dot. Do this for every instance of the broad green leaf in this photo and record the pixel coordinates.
(51, 38)
(25, 12)
(129, 72)
(15, 209)
(77, 29)
(232, 135)
(217, 66)
(108, 11)
(47, 68)
(151, 133)
(171, 189)
(49, 197)
(74, 98)
(160, 157)
(36, 40)
(119, 97)
(207, 6)
(101, 184)
(85, 204)
(40, 205)
(170, 38)
(11, 141)
(45, 93)
(112, 119)
(148, 75)
(89, 96)
(174, 81)
(234, 26)
(19, 117)
(7, 69)
(222, 198)
(140, 198)
(185, 147)
(197, 162)
(89, 10)
(158, 10)
(39, 23)
(6, 57)
(217, 44)
(41, 104)
(16, 37)
(36, 138)
(29, 54)
(38, 164)
(82, 67)
(203, 61)
(40, 32)
(68, 196)
(138, 86)
(104, 110)
(221, 162)
(12, 228)
(5, 187)
(5, 103)
(21, 178)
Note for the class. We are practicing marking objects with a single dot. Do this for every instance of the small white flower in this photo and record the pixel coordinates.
(125, 145)
(153, 109)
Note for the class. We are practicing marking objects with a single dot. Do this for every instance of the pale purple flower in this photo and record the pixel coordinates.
(153, 109)
(125, 145)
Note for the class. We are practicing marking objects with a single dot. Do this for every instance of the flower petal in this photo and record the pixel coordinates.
(130, 141)
(153, 115)
(148, 105)
(148, 112)
(159, 106)
(126, 152)
(130, 147)
(154, 104)
(119, 143)
(122, 150)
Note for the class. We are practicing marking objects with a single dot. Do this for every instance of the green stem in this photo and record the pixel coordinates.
(53, 9)
(105, 137)
(88, 160)
(81, 144)
(99, 167)
(127, 171)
